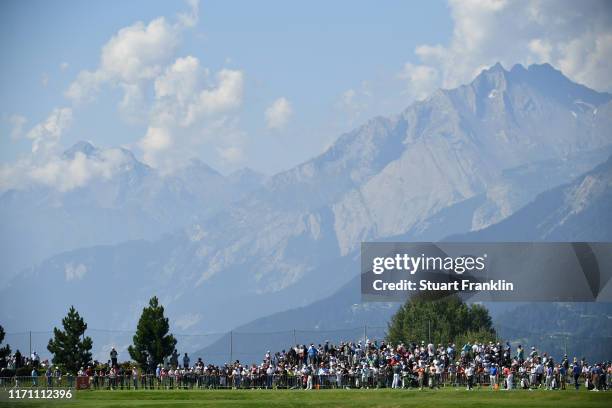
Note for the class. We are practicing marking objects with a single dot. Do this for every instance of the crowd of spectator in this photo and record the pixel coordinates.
(370, 364)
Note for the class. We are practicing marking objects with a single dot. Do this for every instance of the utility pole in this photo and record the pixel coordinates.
(231, 346)
(30, 342)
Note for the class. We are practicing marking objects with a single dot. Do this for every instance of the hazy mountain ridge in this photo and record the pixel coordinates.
(463, 140)
(577, 211)
(453, 163)
(585, 203)
(133, 202)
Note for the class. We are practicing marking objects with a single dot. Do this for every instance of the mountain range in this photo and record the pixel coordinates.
(576, 211)
(221, 251)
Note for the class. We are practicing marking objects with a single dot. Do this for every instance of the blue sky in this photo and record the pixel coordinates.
(297, 75)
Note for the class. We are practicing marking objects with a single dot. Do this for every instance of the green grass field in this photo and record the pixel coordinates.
(331, 398)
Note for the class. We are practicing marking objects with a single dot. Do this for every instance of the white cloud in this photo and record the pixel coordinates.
(573, 36)
(138, 51)
(134, 54)
(85, 87)
(421, 79)
(227, 95)
(46, 134)
(62, 173)
(185, 109)
(185, 95)
(154, 142)
(190, 109)
(180, 81)
(74, 272)
(278, 114)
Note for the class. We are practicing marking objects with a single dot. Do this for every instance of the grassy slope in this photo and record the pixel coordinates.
(334, 398)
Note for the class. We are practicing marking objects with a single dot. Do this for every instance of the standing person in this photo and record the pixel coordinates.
(493, 376)
(576, 370)
(35, 359)
(452, 373)
(549, 378)
(520, 354)
(365, 372)
(308, 372)
(18, 359)
(135, 377)
(421, 376)
(562, 375)
(113, 356)
(312, 355)
(439, 369)
(112, 378)
(34, 377)
(174, 359)
(396, 375)
(509, 378)
(49, 376)
(186, 361)
(58, 376)
(469, 373)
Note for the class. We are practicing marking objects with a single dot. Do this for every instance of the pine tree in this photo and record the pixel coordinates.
(440, 321)
(152, 336)
(70, 347)
(6, 350)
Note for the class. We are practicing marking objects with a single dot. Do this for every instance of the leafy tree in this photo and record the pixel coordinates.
(6, 350)
(439, 321)
(70, 347)
(152, 336)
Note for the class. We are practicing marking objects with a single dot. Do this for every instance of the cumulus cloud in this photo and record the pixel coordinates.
(182, 104)
(62, 173)
(188, 106)
(573, 36)
(226, 95)
(155, 141)
(278, 114)
(133, 55)
(184, 94)
(46, 134)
